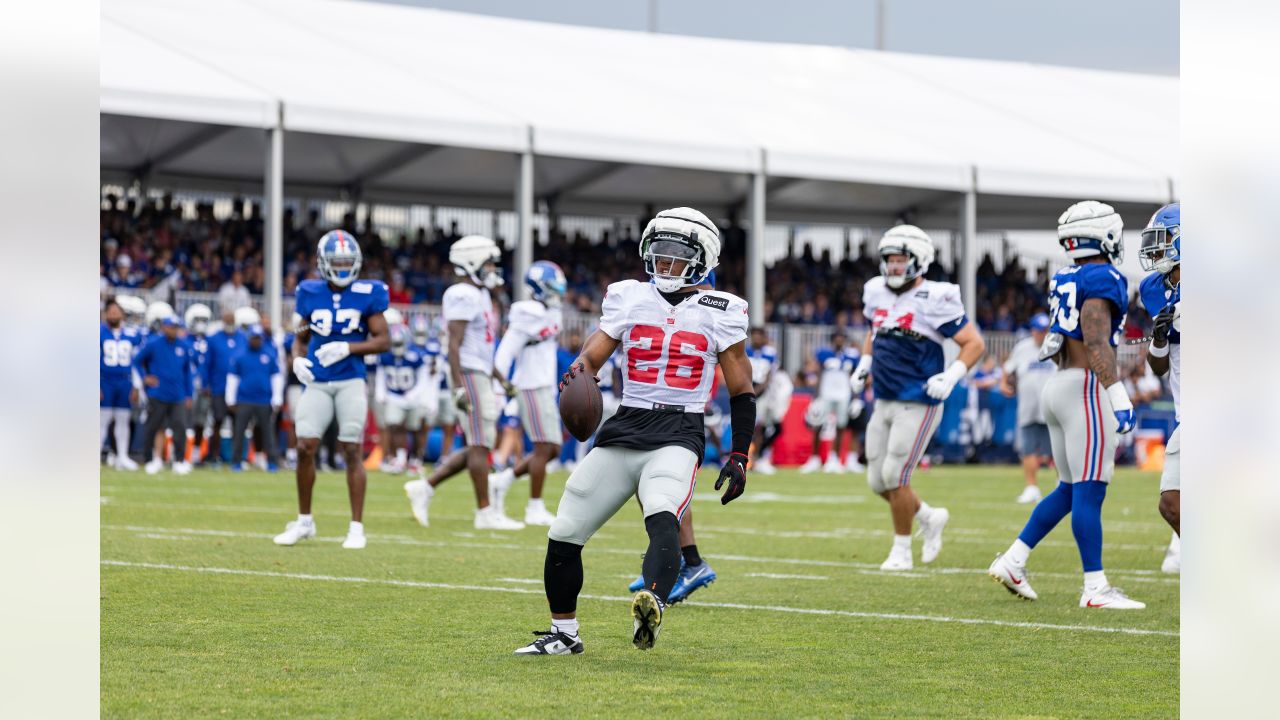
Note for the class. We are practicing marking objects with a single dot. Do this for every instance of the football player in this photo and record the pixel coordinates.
(1024, 377)
(292, 393)
(379, 404)
(764, 365)
(833, 400)
(433, 400)
(223, 346)
(910, 319)
(116, 394)
(1161, 294)
(344, 322)
(1084, 402)
(401, 375)
(472, 322)
(531, 340)
(198, 317)
(671, 336)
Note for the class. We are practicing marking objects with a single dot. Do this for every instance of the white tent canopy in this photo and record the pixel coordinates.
(395, 103)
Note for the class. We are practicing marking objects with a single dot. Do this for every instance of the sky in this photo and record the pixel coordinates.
(1125, 35)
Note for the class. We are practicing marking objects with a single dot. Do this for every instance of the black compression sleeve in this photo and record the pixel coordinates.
(742, 415)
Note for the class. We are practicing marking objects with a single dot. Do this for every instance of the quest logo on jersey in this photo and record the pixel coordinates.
(715, 302)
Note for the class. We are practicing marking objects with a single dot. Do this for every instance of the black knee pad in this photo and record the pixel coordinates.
(562, 576)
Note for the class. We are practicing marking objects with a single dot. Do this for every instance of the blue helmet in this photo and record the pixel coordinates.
(546, 281)
(1161, 248)
(338, 257)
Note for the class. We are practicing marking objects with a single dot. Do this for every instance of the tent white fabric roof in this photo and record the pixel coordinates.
(432, 106)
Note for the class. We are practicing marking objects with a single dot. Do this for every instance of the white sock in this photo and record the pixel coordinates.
(305, 519)
(104, 418)
(902, 543)
(924, 512)
(356, 528)
(1175, 543)
(401, 456)
(536, 503)
(1018, 552)
(122, 432)
(291, 454)
(568, 627)
(1094, 581)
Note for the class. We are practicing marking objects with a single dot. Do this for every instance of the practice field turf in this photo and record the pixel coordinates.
(202, 616)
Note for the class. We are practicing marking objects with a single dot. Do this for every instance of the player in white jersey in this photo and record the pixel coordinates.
(671, 337)
(770, 411)
(468, 309)
(1024, 377)
(1161, 294)
(834, 402)
(910, 319)
(531, 342)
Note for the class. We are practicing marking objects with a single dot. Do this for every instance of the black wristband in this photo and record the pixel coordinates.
(742, 416)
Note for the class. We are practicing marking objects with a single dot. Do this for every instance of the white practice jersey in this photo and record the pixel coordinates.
(531, 342)
(669, 352)
(464, 301)
(909, 331)
(1031, 374)
(764, 360)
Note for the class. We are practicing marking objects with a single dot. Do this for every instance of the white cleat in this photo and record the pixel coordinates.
(764, 467)
(294, 532)
(853, 466)
(931, 528)
(1030, 495)
(1173, 557)
(182, 468)
(354, 541)
(126, 463)
(897, 562)
(499, 484)
(1110, 598)
(812, 465)
(538, 515)
(155, 466)
(491, 519)
(1013, 577)
(833, 465)
(419, 492)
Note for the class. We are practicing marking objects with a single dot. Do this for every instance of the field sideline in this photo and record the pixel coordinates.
(203, 616)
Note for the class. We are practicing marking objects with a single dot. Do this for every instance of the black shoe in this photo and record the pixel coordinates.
(550, 642)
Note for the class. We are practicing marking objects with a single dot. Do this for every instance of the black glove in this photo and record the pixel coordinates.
(572, 373)
(735, 471)
(1162, 323)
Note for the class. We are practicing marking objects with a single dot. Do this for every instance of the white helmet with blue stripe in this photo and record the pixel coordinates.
(338, 257)
(1091, 228)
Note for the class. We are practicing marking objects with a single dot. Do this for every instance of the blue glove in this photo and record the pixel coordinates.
(1122, 408)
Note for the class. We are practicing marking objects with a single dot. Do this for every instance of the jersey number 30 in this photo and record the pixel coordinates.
(1062, 305)
(676, 357)
(322, 321)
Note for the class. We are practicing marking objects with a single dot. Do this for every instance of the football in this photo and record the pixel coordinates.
(581, 406)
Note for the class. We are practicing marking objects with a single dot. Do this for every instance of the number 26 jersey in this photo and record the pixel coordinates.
(669, 352)
(339, 317)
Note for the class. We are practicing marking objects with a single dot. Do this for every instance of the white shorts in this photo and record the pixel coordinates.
(822, 407)
(1082, 426)
(322, 401)
(540, 415)
(608, 477)
(897, 435)
(1171, 478)
(479, 426)
(407, 415)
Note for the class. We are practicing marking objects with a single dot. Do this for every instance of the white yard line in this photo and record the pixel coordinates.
(864, 568)
(780, 576)
(609, 598)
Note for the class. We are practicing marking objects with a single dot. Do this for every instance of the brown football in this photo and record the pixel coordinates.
(581, 406)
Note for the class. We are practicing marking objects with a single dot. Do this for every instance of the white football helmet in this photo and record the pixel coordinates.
(906, 240)
(1091, 228)
(680, 235)
(470, 256)
(246, 316)
(399, 339)
(134, 307)
(198, 317)
(421, 330)
(157, 311)
(393, 317)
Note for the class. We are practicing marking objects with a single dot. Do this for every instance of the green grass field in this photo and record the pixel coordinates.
(203, 616)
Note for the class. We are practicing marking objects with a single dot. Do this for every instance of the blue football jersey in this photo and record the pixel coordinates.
(1156, 296)
(434, 355)
(837, 366)
(116, 349)
(199, 354)
(339, 316)
(1074, 284)
(400, 373)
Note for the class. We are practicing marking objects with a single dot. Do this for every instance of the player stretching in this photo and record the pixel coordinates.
(671, 335)
(1161, 294)
(468, 308)
(1087, 303)
(344, 321)
(910, 318)
(531, 341)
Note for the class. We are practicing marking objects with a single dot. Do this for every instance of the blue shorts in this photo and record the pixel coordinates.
(1034, 440)
(115, 394)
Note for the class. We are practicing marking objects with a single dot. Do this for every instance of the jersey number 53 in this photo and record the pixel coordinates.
(674, 348)
(1062, 305)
